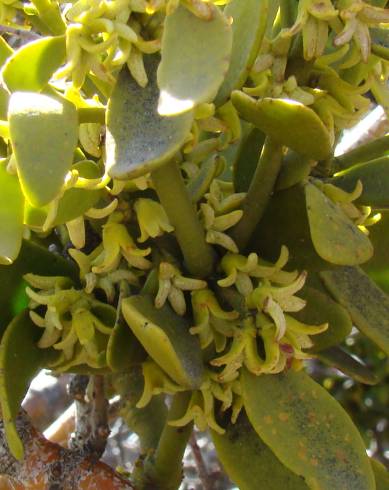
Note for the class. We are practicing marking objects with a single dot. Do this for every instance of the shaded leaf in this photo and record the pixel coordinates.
(248, 27)
(381, 475)
(247, 160)
(367, 304)
(31, 66)
(195, 59)
(44, 135)
(20, 361)
(295, 168)
(166, 338)
(11, 215)
(123, 349)
(249, 462)
(320, 308)
(335, 237)
(307, 430)
(138, 139)
(288, 122)
(338, 358)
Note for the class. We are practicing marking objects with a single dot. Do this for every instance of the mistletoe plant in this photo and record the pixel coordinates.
(174, 223)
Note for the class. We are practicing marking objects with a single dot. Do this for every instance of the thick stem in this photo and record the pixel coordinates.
(164, 469)
(288, 9)
(259, 192)
(172, 193)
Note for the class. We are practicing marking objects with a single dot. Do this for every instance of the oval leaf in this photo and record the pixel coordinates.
(307, 430)
(138, 139)
(381, 475)
(123, 349)
(367, 304)
(320, 308)
(295, 168)
(20, 361)
(248, 28)
(288, 122)
(44, 135)
(31, 67)
(249, 462)
(374, 176)
(166, 338)
(11, 216)
(334, 235)
(195, 58)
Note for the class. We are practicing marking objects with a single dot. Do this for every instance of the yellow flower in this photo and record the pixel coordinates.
(152, 219)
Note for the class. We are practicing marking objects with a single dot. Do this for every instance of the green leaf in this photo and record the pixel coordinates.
(307, 430)
(34, 259)
(249, 462)
(378, 266)
(139, 139)
(123, 349)
(44, 135)
(11, 215)
(209, 169)
(248, 28)
(73, 203)
(247, 159)
(31, 67)
(285, 222)
(320, 308)
(338, 358)
(381, 475)
(166, 338)
(374, 176)
(367, 304)
(295, 168)
(195, 59)
(288, 122)
(5, 51)
(334, 236)
(20, 361)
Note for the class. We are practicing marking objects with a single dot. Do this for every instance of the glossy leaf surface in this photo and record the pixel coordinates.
(31, 67)
(334, 235)
(20, 361)
(139, 139)
(11, 215)
(195, 59)
(367, 304)
(248, 27)
(288, 122)
(307, 430)
(249, 462)
(44, 134)
(166, 338)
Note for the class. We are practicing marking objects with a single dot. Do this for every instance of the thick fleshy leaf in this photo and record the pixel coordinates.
(44, 135)
(288, 122)
(378, 266)
(367, 304)
(320, 308)
(381, 475)
(307, 430)
(295, 168)
(334, 235)
(248, 27)
(11, 215)
(123, 349)
(249, 462)
(195, 59)
(139, 139)
(20, 361)
(285, 222)
(35, 259)
(5, 51)
(374, 176)
(73, 203)
(31, 67)
(338, 358)
(166, 338)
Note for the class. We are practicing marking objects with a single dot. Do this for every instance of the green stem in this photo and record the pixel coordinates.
(363, 153)
(91, 115)
(288, 12)
(189, 232)
(259, 192)
(50, 15)
(164, 469)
